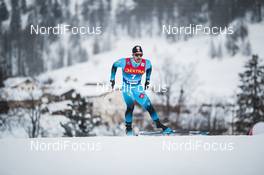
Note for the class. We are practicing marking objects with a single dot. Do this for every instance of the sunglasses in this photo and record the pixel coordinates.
(138, 54)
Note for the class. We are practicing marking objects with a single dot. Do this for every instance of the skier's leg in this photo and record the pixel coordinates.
(129, 107)
(129, 111)
(152, 112)
(144, 101)
(149, 107)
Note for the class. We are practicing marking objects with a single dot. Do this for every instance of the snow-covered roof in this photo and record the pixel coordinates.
(14, 81)
(10, 94)
(59, 106)
(58, 91)
(83, 90)
(90, 91)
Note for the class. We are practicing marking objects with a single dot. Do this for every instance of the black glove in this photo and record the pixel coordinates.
(112, 83)
(146, 84)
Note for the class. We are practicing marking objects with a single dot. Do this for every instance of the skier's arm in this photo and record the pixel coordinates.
(148, 70)
(148, 73)
(116, 64)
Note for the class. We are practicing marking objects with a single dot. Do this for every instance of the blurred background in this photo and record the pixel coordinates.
(49, 82)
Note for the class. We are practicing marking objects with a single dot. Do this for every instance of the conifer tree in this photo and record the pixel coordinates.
(251, 97)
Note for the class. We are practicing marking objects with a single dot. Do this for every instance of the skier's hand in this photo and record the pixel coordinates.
(146, 84)
(112, 83)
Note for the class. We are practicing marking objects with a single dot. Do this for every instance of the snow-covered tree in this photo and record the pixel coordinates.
(251, 97)
(4, 14)
(82, 120)
(213, 53)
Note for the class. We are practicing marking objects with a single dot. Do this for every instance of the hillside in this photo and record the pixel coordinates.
(210, 78)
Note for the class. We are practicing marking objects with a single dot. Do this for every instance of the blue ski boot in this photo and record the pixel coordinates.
(129, 131)
(167, 131)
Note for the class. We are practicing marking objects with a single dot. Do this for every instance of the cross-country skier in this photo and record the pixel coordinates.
(132, 70)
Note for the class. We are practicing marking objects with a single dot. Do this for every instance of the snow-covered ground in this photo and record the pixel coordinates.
(205, 155)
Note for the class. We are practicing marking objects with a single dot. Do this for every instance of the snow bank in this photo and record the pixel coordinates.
(258, 128)
(133, 155)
